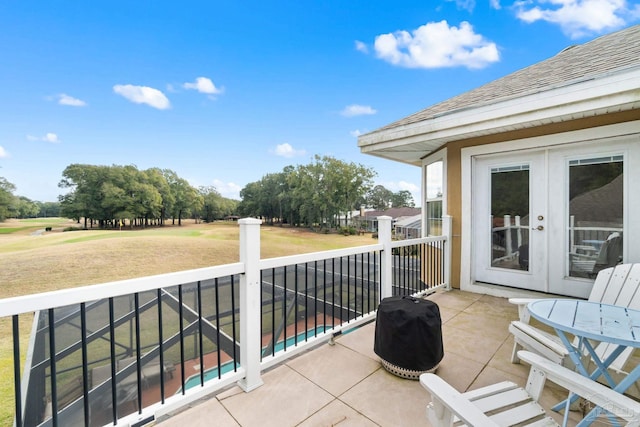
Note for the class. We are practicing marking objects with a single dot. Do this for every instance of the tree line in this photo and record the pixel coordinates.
(12, 206)
(322, 193)
(109, 196)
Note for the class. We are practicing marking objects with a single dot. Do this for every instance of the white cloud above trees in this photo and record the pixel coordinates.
(578, 18)
(357, 110)
(48, 137)
(64, 99)
(437, 45)
(143, 95)
(287, 151)
(203, 85)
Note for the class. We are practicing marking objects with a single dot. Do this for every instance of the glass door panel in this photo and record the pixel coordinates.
(595, 223)
(510, 217)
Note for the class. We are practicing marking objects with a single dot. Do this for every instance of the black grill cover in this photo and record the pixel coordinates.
(409, 333)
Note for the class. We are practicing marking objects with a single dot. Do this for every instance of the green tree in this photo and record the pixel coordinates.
(24, 207)
(48, 209)
(157, 178)
(7, 198)
(186, 198)
(402, 198)
(379, 198)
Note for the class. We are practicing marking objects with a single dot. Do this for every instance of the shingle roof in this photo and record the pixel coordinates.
(393, 212)
(600, 56)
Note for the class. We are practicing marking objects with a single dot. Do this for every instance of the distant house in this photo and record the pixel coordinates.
(368, 220)
(409, 227)
(548, 155)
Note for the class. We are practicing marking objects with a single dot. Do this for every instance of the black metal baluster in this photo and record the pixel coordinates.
(217, 303)
(261, 307)
(406, 267)
(315, 298)
(161, 346)
(200, 339)
(333, 291)
(341, 295)
(284, 306)
(181, 331)
(52, 368)
(295, 301)
(348, 288)
(376, 280)
(136, 299)
(361, 282)
(233, 323)
(368, 282)
(306, 300)
(273, 312)
(419, 266)
(85, 364)
(324, 295)
(16, 370)
(112, 354)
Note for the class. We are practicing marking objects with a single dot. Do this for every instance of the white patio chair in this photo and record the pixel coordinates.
(615, 285)
(507, 404)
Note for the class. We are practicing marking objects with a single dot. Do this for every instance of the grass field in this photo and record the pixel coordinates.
(33, 260)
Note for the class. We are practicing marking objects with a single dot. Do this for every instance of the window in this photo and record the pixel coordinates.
(434, 185)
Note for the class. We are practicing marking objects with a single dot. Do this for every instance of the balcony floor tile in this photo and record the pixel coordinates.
(345, 384)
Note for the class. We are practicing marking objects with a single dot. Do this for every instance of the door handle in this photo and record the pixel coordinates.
(539, 228)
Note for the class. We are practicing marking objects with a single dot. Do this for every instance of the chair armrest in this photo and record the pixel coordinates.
(614, 402)
(447, 402)
(523, 313)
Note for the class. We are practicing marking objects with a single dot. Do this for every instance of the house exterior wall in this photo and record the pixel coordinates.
(454, 170)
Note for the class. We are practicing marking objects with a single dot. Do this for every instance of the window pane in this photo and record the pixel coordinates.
(595, 215)
(434, 199)
(510, 217)
(434, 218)
(434, 180)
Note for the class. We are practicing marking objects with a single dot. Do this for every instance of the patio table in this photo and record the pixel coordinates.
(591, 321)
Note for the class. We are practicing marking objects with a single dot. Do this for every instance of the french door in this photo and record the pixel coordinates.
(509, 220)
(549, 220)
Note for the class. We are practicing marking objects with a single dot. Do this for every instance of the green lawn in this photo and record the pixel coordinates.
(33, 261)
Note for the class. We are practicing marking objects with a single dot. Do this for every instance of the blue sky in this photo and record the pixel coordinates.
(224, 92)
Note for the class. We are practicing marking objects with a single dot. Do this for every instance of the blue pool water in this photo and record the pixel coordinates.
(212, 373)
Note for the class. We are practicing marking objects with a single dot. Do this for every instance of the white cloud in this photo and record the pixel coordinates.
(404, 186)
(356, 133)
(578, 18)
(64, 99)
(143, 95)
(3, 153)
(467, 5)
(357, 110)
(48, 137)
(286, 150)
(203, 85)
(51, 137)
(495, 4)
(229, 190)
(436, 45)
(361, 46)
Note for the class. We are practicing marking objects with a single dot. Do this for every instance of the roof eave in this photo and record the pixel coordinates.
(409, 143)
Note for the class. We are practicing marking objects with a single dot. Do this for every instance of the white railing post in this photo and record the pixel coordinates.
(250, 309)
(507, 235)
(386, 267)
(447, 228)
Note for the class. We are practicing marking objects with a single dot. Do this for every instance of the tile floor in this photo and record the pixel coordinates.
(345, 385)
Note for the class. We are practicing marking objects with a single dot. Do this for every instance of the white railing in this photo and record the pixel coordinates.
(419, 265)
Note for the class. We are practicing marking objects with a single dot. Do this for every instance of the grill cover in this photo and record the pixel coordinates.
(409, 333)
